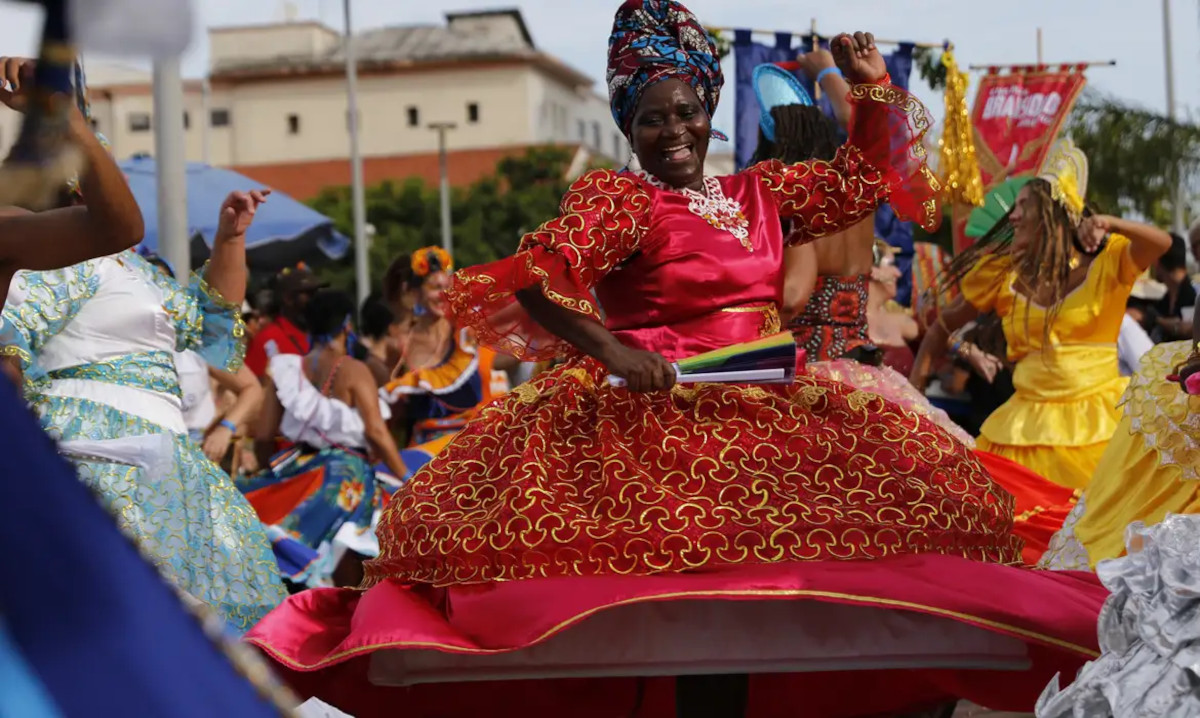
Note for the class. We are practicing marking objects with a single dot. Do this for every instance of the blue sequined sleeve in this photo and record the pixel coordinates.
(39, 305)
(205, 322)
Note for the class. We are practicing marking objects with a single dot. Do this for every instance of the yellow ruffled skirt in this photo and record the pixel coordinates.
(1064, 411)
(1152, 465)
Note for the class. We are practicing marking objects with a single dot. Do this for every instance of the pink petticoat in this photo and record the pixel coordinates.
(889, 384)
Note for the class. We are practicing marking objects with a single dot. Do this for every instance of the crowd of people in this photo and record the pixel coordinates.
(438, 502)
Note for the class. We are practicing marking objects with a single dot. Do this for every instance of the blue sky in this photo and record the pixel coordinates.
(983, 32)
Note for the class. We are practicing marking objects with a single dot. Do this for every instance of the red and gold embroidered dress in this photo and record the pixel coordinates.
(544, 541)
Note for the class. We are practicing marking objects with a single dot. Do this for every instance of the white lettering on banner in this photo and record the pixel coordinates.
(1021, 106)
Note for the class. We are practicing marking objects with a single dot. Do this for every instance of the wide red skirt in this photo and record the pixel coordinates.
(578, 545)
(841, 638)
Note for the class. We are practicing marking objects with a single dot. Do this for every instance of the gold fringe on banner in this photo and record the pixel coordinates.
(961, 182)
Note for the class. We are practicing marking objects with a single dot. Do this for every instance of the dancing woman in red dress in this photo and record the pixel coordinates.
(600, 536)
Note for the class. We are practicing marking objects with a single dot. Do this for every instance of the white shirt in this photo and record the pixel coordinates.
(1132, 343)
(199, 404)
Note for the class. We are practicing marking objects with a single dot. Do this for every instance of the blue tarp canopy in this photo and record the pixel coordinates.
(284, 231)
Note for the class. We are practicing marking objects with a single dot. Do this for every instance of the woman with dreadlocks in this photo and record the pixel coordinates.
(827, 282)
(1059, 281)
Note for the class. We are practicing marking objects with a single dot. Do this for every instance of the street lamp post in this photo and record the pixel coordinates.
(171, 164)
(1169, 57)
(362, 277)
(442, 128)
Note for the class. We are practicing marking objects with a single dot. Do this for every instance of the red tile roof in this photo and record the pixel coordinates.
(305, 180)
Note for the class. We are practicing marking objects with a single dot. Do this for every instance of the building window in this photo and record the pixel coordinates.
(293, 122)
(618, 145)
(473, 112)
(581, 126)
(219, 118)
(139, 121)
(596, 136)
(414, 117)
(187, 120)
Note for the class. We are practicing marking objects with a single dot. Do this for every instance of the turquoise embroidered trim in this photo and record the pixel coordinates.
(153, 371)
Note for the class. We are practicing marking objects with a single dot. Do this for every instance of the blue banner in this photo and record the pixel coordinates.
(748, 55)
(89, 625)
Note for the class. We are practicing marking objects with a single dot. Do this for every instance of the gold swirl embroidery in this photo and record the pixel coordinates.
(603, 217)
(616, 482)
(526, 393)
(771, 323)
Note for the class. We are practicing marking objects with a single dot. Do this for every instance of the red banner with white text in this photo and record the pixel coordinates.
(1017, 117)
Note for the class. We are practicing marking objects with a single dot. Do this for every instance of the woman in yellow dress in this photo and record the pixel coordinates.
(1151, 468)
(1059, 282)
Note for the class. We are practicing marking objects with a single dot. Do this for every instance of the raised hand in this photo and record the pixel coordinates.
(237, 212)
(858, 58)
(812, 63)
(16, 73)
(1092, 231)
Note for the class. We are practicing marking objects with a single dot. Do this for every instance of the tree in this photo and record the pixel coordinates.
(488, 218)
(929, 67)
(1132, 155)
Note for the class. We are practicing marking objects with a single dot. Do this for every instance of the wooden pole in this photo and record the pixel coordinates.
(878, 41)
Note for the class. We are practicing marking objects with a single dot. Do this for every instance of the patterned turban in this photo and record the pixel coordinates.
(656, 40)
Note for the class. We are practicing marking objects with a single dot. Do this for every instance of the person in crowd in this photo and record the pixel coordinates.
(1171, 270)
(1059, 282)
(286, 333)
(836, 283)
(890, 327)
(327, 404)
(379, 338)
(570, 496)
(1132, 344)
(96, 344)
(215, 428)
(443, 377)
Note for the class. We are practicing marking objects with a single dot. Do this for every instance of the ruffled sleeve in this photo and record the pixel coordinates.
(204, 321)
(39, 305)
(884, 160)
(602, 220)
(983, 285)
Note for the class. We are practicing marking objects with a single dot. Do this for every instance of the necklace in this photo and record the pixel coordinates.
(711, 205)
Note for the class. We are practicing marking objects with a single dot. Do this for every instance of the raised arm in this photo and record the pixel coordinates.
(883, 161)
(538, 303)
(1146, 243)
(820, 67)
(109, 220)
(226, 272)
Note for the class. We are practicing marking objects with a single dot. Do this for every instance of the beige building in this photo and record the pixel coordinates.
(274, 103)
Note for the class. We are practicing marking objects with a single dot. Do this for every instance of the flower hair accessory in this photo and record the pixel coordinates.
(1066, 169)
(431, 259)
